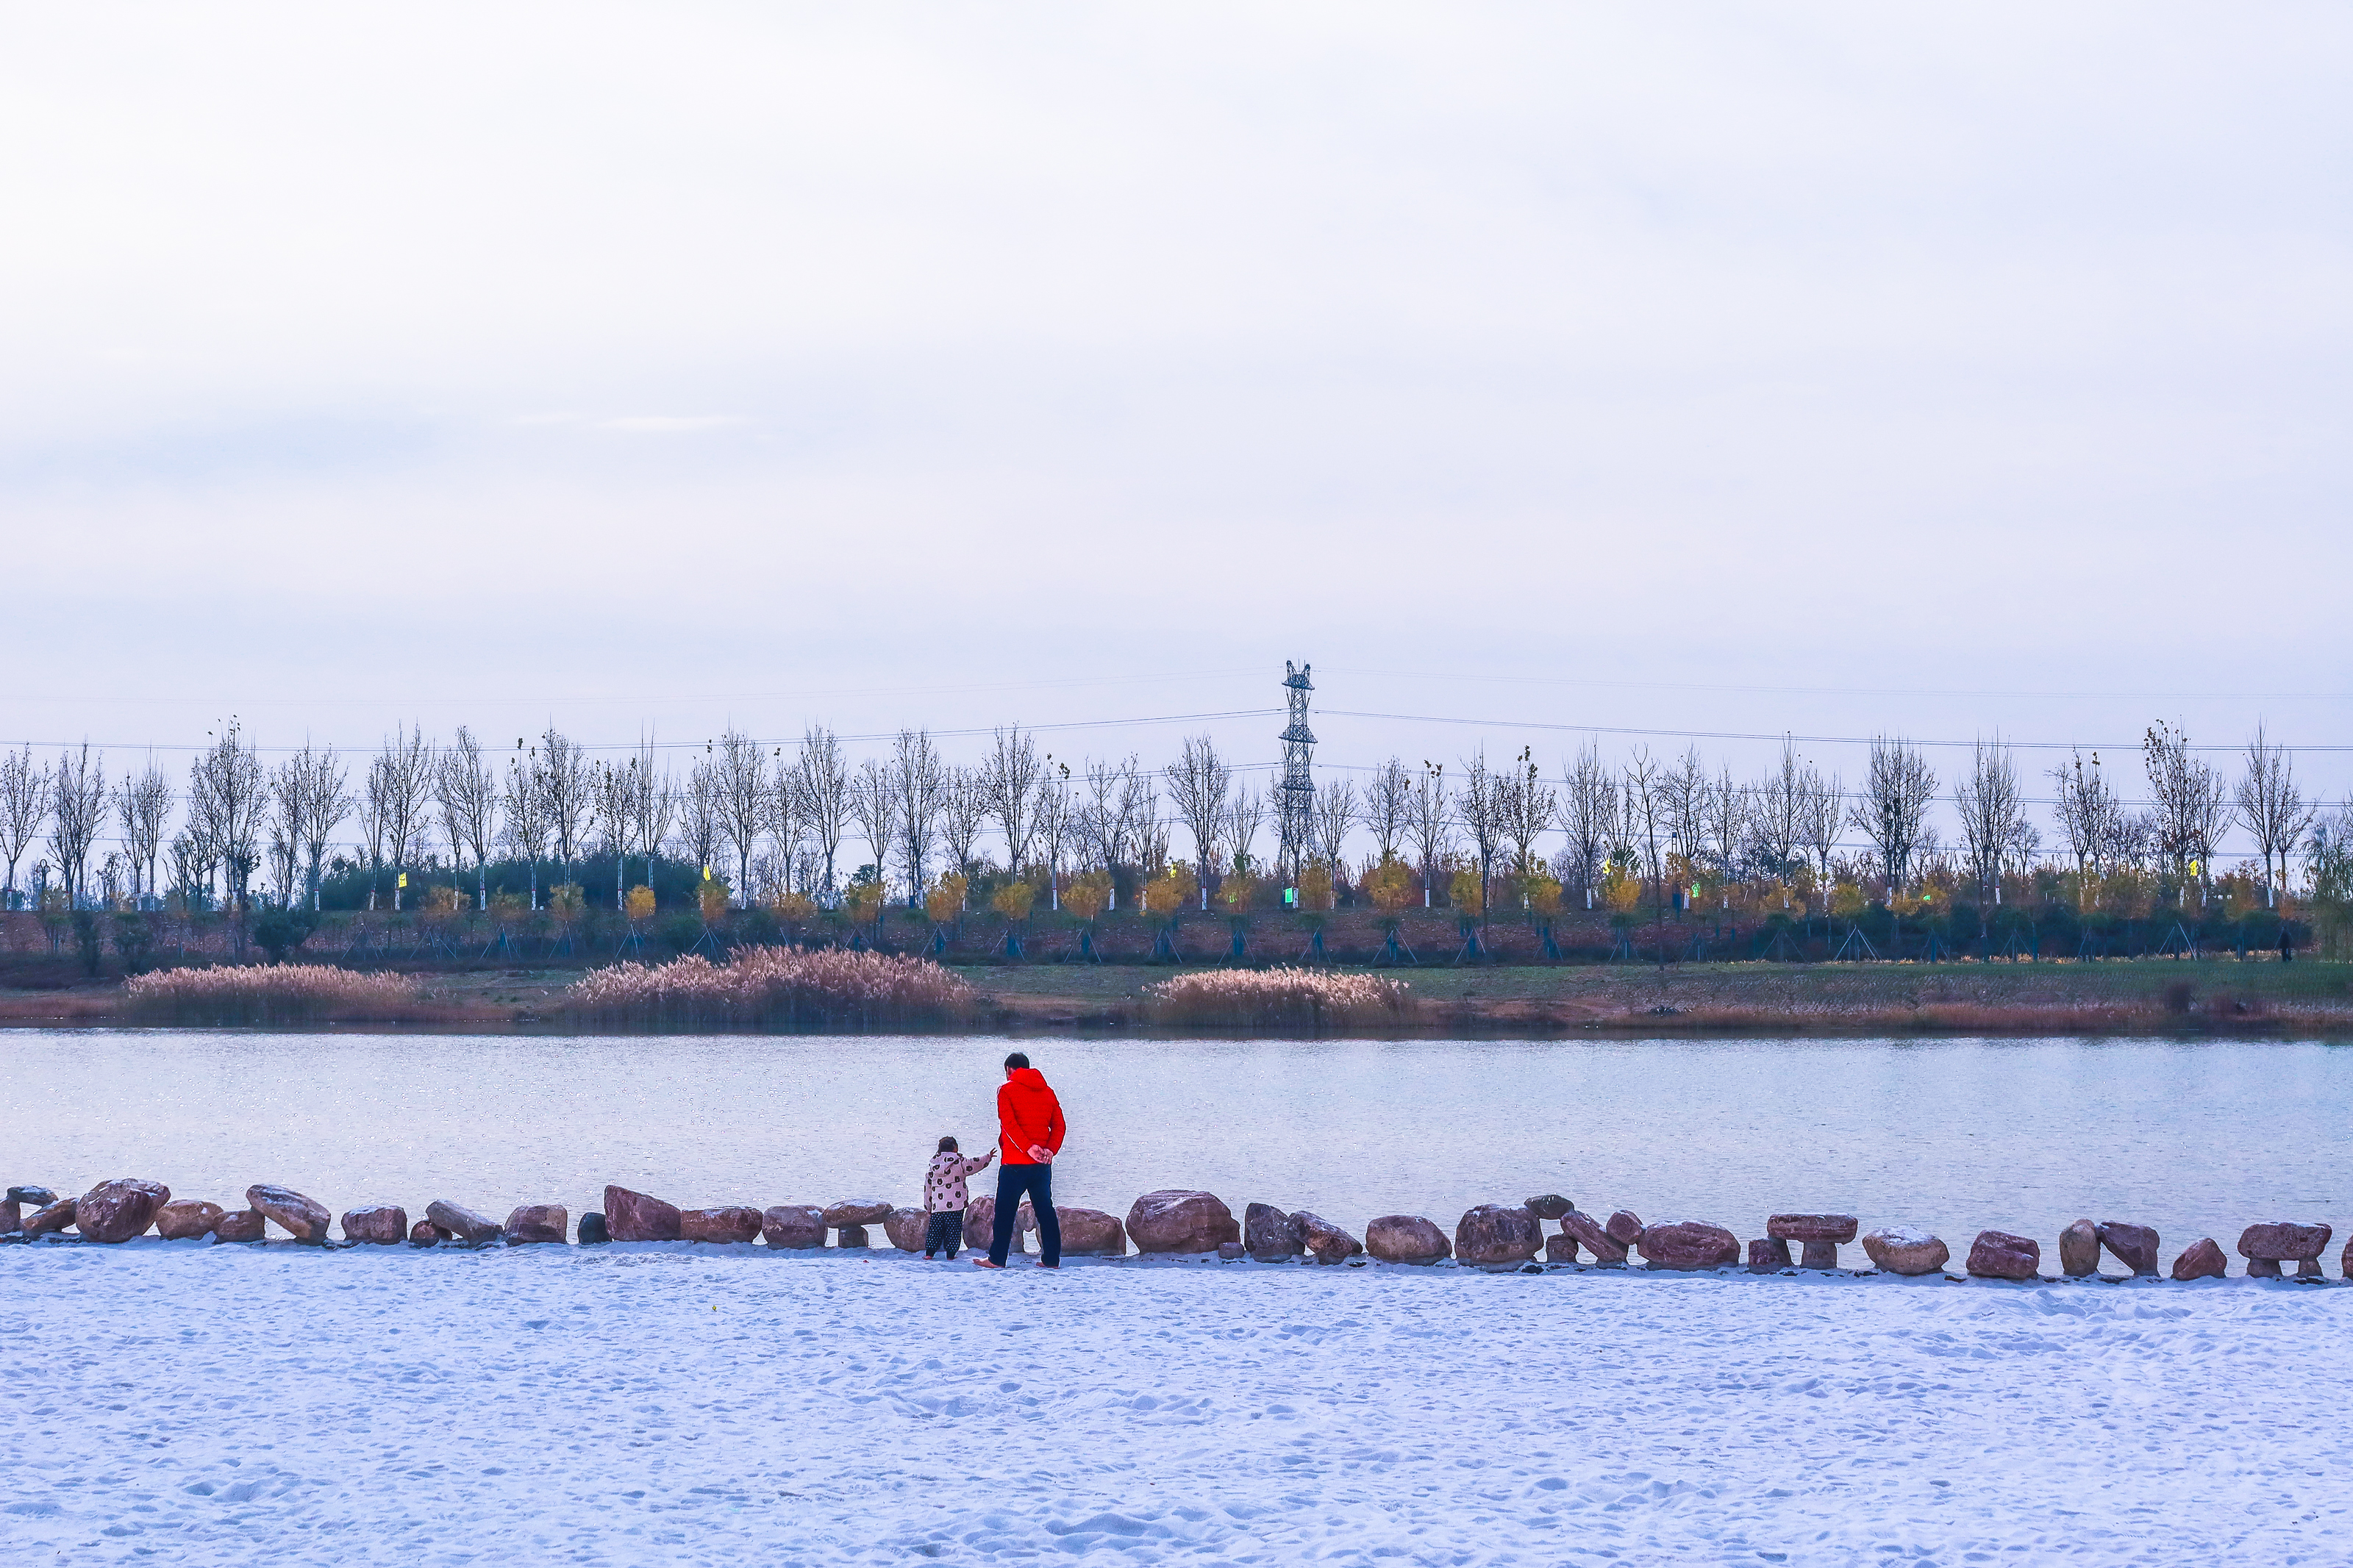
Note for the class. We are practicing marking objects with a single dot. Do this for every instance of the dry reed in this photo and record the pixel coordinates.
(1290, 1000)
(254, 995)
(772, 988)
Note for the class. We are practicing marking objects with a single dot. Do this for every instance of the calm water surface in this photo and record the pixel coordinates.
(2195, 1139)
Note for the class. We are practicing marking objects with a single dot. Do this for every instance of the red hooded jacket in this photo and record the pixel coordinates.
(1028, 1113)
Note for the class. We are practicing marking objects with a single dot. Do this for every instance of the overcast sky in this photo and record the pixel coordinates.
(1734, 370)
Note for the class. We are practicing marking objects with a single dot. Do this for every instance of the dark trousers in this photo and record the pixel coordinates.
(943, 1232)
(1037, 1184)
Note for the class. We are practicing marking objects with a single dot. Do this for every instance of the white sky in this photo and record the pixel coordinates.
(1825, 369)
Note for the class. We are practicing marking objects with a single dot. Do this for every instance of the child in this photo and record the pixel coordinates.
(946, 1196)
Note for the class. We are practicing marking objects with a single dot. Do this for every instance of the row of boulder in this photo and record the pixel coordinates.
(1170, 1222)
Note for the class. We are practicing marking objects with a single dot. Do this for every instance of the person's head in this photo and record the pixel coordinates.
(947, 1146)
(1015, 1063)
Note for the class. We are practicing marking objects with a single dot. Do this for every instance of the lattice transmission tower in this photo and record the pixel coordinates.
(1295, 807)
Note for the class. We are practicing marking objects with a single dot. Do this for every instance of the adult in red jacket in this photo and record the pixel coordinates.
(1029, 1120)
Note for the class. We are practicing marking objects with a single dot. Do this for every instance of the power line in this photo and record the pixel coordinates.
(1785, 735)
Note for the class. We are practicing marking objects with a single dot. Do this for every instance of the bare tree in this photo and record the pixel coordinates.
(1776, 817)
(468, 790)
(229, 788)
(1478, 803)
(1645, 800)
(1682, 795)
(615, 790)
(400, 790)
(821, 780)
(1993, 821)
(1894, 812)
(1197, 784)
(874, 802)
(1727, 828)
(1825, 813)
(24, 806)
(2188, 809)
(1099, 821)
(702, 814)
(1008, 781)
(142, 802)
(1588, 807)
(286, 785)
(1147, 829)
(2274, 810)
(565, 796)
(525, 810)
(2088, 814)
(964, 810)
(1431, 826)
(655, 808)
(1336, 814)
(1245, 810)
(1529, 805)
(786, 820)
(918, 779)
(77, 817)
(743, 803)
(1052, 819)
(1388, 805)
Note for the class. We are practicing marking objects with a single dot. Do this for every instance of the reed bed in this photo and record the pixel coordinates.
(260, 995)
(772, 988)
(1285, 999)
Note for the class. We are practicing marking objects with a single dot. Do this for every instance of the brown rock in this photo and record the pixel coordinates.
(1902, 1249)
(2345, 1262)
(2280, 1241)
(183, 1219)
(1685, 1246)
(1497, 1233)
(424, 1232)
(905, 1228)
(2134, 1246)
(1176, 1221)
(238, 1224)
(635, 1216)
(1326, 1242)
(117, 1210)
(729, 1223)
(458, 1220)
(980, 1223)
(1768, 1254)
(379, 1224)
(853, 1237)
(1829, 1227)
(56, 1217)
(1230, 1252)
(856, 1211)
(1560, 1247)
(1091, 1233)
(12, 1216)
(1997, 1255)
(300, 1218)
(1624, 1228)
(793, 1227)
(1271, 1236)
(2202, 1259)
(1586, 1231)
(2079, 1249)
(1552, 1205)
(1405, 1238)
(539, 1225)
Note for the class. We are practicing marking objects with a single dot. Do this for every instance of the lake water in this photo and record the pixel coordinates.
(2195, 1139)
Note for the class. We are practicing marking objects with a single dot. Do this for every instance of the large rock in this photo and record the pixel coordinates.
(793, 1227)
(592, 1229)
(1624, 1228)
(1497, 1233)
(1271, 1235)
(120, 1209)
(980, 1223)
(302, 1219)
(238, 1224)
(637, 1216)
(905, 1228)
(424, 1232)
(2266, 1246)
(1582, 1229)
(1174, 1221)
(851, 1237)
(539, 1225)
(1686, 1246)
(731, 1222)
(1906, 1249)
(1768, 1255)
(2345, 1260)
(1325, 1242)
(50, 1219)
(2079, 1249)
(1560, 1247)
(12, 1216)
(472, 1228)
(1997, 1255)
(2134, 1246)
(2202, 1259)
(1821, 1233)
(32, 1196)
(184, 1219)
(379, 1224)
(856, 1211)
(1405, 1238)
(1551, 1205)
(1090, 1233)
